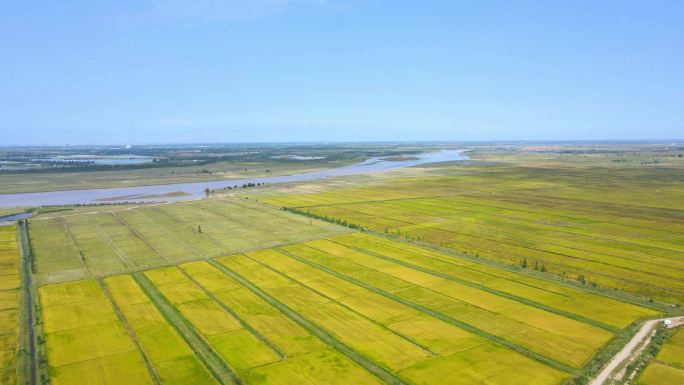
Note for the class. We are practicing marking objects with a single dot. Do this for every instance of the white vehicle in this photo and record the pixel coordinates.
(667, 322)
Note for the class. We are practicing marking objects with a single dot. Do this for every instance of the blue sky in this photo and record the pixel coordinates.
(313, 70)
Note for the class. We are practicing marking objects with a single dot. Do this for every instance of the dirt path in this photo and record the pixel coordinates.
(629, 349)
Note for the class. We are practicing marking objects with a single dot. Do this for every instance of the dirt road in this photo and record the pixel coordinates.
(628, 349)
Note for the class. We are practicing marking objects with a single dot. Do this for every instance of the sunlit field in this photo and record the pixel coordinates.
(614, 227)
(668, 366)
(99, 241)
(10, 282)
(354, 308)
(509, 270)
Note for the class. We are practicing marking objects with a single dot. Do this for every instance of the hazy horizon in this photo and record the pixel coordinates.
(667, 141)
(274, 71)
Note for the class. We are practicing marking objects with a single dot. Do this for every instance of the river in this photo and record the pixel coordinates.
(160, 193)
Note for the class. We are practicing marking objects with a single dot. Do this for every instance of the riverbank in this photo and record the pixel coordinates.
(170, 192)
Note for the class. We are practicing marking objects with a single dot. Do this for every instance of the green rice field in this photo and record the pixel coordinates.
(349, 308)
(520, 272)
(93, 241)
(619, 228)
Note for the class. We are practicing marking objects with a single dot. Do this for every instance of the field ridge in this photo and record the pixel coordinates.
(499, 340)
(320, 333)
(218, 368)
(487, 289)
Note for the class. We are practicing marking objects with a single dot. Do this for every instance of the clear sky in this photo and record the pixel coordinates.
(77, 72)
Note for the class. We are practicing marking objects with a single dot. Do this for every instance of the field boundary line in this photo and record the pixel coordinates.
(122, 255)
(260, 207)
(228, 310)
(542, 233)
(557, 264)
(465, 267)
(465, 326)
(511, 242)
(585, 217)
(138, 234)
(223, 373)
(361, 202)
(384, 327)
(131, 333)
(166, 231)
(319, 332)
(25, 312)
(574, 200)
(487, 289)
(220, 216)
(527, 224)
(620, 296)
(74, 244)
(187, 226)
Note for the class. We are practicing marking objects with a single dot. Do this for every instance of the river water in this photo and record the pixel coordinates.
(192, 190)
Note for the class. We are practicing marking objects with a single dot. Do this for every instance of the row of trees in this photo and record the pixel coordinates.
(326, 218)
(208, 191)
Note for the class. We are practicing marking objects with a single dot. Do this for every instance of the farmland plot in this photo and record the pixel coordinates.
(417, 348)
(112, 241)
(668, 367)
(351, 308)
(84, 339)
(10, 283)
(237, 345)
(551, 335)
(601, 226)
(172, 359)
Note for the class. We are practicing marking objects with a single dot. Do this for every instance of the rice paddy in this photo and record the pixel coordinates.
(96, 242)
(350, 308)
(85, 340)
(10, 282)
(668, 367)
(453, 277)
(617, 228)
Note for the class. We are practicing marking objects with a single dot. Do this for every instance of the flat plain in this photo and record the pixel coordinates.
(73, 180)
(617, 227)
(97, 241)
(449, 275)
(348, 308)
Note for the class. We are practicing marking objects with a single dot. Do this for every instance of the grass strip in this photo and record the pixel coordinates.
(131, 333)
(487, 289)
(378, 371)
(536, 356)
(41, 369)
(218, 368)
(369, 319)
(26, 350)
(228, 310)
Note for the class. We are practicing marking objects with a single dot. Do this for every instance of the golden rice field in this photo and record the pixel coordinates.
(10, 283)
(350, 308)
(618, 228)
(668, 366)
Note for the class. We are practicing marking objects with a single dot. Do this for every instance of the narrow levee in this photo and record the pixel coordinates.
(26, 272)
